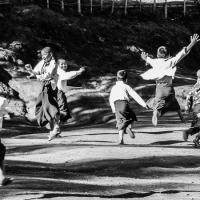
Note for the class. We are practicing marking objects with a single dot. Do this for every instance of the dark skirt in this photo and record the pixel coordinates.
(124, 114)
(2, 152)
(51, 103)
(164, 100)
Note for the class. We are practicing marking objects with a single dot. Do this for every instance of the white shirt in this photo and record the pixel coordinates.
(48, 70)
(163, 66)
(122, 91)
(64, 76)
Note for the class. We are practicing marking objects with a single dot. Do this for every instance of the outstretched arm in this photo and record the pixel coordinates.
(179, 56)
(193, 40)
(136, 97)
(70, 75)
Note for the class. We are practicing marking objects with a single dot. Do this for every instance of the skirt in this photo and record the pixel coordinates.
(124, 114)
(164, 100)
(51, 103)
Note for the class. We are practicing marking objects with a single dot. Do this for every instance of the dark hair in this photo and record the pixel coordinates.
(162, 52)
(122, 75)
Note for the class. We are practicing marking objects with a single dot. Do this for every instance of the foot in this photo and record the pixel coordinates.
(155, 118)
(121, 142)
(196, 143)
(52, 135)
(6, 181)
(130, 132)
(185, 135)
(55, 133)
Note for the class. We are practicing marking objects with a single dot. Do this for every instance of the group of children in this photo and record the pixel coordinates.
(52, 108)
(162, 70)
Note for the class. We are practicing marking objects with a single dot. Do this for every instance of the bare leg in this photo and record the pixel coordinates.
(55, 128)
(121, 137)
(2, 176)
(196, 141)
(130, 132)
(155, 117)
(181, 116)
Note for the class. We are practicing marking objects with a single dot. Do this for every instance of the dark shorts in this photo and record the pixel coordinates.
(164, 100)
(124, 115)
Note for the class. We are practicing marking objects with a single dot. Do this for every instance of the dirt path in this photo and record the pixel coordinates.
(86, 163)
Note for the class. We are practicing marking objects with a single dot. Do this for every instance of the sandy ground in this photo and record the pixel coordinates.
(86, 163)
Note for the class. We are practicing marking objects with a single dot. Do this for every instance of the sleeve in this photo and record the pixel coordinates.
(135, 96)
(111, 101)
(152, 62)
(179, 56)
(67, 75)
(48, 73)
(37, 68)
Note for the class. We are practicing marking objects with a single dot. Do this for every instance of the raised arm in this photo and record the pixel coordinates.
(179, 56)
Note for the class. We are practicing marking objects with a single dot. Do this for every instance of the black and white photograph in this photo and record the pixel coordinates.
(99, 99)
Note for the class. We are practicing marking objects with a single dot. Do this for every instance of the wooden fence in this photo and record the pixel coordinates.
(62, 5)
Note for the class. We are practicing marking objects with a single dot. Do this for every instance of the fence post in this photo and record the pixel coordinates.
(184, 8)
(154, 6)
(125, 7)
(48, 4)
(113, 6)
(165, 9)
(140, 5)
(62, 5)
(101, 5)
(79, 6)
(91, 6)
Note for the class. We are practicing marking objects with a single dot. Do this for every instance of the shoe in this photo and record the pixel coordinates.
(6, 181)
(185, 135)
(130, 132)
(196, 143)
(155, 118)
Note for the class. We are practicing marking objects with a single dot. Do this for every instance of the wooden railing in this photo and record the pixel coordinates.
(166, 5)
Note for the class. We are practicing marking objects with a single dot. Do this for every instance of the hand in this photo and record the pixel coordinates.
(133, 49)
(82, 69)
(194, 39)
(144, 56)
(28, 67)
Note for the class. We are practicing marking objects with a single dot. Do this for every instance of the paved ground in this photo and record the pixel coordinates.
(86, 163)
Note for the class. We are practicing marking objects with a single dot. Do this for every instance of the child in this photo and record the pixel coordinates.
(64, 76)
(119, 102)
(193, 103)
(163, 71)
(51, 105)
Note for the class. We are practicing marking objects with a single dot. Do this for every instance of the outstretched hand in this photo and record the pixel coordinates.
(144, 56)
(194, 38)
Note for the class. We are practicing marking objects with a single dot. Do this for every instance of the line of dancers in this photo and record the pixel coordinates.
(52, 108)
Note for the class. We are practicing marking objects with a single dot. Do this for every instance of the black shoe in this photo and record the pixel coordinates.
(185, 135)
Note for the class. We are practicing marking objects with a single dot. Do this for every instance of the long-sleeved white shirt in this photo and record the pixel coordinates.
(48, 70)
(122, 91)
(163, 66)
(64, 76)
